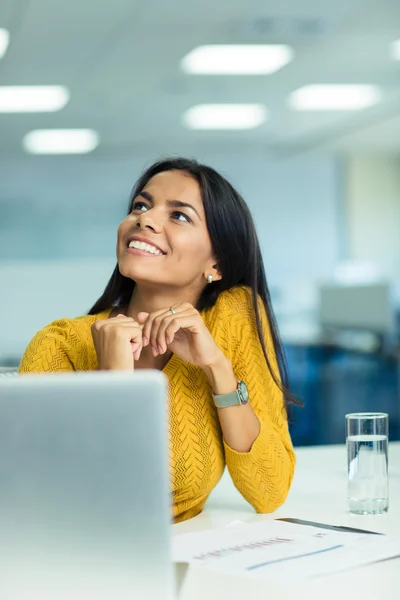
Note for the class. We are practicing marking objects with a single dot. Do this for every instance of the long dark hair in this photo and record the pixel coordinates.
(235, 246)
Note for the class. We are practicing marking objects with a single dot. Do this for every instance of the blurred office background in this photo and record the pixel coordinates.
(319, 166)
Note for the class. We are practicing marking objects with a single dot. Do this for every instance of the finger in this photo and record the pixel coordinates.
(151, 326)
(153, 336)
(116, 322)
(123, 332)
(161, 338)
(131, 323)
(153, 321)
(192, 323)
(122, 328)
(102, 324)
(172, 323)
(137, 350)
(122, 319)
(157, 336)
(142, 317)
(147, 325)
(136, 343)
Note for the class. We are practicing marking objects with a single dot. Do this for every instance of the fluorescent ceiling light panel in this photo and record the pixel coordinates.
(225, 116)
(237, 60)
(4, 41)
(396, 50)
(32, 98)
(334, 97)
(60, 141)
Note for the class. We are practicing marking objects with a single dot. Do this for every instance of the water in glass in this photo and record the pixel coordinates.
(368, 480)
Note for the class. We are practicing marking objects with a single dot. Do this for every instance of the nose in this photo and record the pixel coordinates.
(146, 220)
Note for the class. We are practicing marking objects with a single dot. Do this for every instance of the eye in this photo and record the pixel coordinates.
(177, 216)
(138, 204)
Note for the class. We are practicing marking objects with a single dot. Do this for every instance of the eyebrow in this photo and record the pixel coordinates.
(171, 203)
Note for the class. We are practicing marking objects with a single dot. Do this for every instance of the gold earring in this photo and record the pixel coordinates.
(209, 279)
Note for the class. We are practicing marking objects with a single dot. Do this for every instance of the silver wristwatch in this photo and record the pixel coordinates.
(239, 396)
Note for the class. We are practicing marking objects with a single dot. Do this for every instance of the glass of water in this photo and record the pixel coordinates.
(367, 461)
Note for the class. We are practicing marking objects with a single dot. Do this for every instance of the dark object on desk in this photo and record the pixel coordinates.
(338, 528)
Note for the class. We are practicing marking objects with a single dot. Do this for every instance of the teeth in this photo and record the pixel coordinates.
(146, 247)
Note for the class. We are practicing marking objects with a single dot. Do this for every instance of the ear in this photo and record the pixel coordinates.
(215, 272)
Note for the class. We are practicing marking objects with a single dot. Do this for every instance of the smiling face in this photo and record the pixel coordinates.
(164, 240)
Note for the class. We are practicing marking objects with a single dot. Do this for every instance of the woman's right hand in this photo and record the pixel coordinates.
(118, 343)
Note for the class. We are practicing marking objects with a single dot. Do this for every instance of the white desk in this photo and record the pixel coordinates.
(318, 494)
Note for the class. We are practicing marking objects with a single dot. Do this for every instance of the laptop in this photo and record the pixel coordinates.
(84, 487)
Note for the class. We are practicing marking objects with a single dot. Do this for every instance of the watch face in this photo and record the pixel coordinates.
(243, 392)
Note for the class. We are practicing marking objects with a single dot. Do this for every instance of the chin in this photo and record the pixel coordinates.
(139, 274)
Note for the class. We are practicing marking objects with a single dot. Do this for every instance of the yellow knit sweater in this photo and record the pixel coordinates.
(198, 451)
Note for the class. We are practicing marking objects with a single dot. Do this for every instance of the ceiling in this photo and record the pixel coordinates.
(120, 61)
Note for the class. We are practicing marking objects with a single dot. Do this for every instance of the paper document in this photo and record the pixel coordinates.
(272, 549)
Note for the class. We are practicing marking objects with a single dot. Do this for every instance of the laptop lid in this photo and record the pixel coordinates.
(84, 490)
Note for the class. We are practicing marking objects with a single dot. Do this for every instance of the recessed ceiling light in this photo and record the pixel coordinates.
(225, 116)
(60, 141)
(4, 41)
(32, 98)
(396, 50)
(334, 97)
(254, 59)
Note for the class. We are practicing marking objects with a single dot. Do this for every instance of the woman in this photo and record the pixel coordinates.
(189, 297)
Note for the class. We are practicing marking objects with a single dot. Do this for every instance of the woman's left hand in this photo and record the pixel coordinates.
(183, 332)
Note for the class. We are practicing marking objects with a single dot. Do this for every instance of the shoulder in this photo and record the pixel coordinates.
(237, 301)
(62, 345)
(86, 321)
(234, 314)
(233, 309)
(78, 326)
(66, 332)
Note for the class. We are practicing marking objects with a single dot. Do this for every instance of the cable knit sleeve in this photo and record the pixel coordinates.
(264, 474)
(50, 350)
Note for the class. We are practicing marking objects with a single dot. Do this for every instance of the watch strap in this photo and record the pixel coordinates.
(233, 398)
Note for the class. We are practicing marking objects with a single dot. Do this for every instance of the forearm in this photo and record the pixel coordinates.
(240, 425)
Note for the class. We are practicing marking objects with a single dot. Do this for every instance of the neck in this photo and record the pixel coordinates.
(151, 300)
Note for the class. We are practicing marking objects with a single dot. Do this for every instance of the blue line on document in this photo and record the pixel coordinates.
(278, 560)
